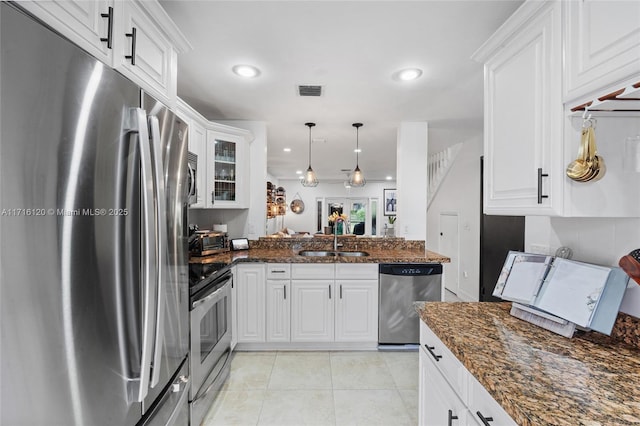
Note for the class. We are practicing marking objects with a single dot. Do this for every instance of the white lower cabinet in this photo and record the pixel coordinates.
(304, 304)
(234, 308)
(278, 310)
(356, 311)
(448, 393)
(312, 310)
(250, 288)
(439, 404)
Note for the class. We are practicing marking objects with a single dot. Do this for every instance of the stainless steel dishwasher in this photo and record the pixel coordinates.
(401, 284)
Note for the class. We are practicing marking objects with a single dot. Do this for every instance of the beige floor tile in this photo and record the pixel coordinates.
(403, 367)
(360, 370)
(250, 370)
(235, 408)
(297, 407)
(410, 399)
(370, 407)
(301, 370)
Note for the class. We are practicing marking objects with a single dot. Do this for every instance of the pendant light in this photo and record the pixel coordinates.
(309, 179)
(357, 179)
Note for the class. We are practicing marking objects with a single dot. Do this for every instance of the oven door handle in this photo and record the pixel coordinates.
(214, 295)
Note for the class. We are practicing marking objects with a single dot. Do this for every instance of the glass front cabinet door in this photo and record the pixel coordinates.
(227, 170)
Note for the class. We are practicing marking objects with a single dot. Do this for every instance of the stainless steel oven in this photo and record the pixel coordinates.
(210, 355)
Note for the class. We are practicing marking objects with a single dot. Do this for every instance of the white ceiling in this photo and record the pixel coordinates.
(352, 49)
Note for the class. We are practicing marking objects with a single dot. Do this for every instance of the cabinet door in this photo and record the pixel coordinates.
(278, 310)
(523, 120)
(144, 54)
(312, 310)
(197, 145)
(234, 308)
(251, 303)
(438, 404)
(86, 23)
(356, 311)
(227, 180)
(602, 45)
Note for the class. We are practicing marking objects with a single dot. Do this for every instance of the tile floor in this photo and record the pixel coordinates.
(319, 388)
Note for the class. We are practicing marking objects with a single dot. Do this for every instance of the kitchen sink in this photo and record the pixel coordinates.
(324, 253)
(352, 253)
(320, 253)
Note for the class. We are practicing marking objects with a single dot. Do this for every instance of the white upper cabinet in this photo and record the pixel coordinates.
(135, 37)
(602, 45)
(530, 131)
(144, 53)
(89, 24)
(523, 113)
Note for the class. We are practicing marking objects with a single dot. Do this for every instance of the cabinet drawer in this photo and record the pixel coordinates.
(276, 271)
(450, 367)
(481, 401)
(357, 271)
(313, 271)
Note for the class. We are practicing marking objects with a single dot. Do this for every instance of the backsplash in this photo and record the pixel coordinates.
(348, 243)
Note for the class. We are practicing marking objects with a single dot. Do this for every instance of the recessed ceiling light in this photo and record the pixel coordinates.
(409, 74)
(389, 178)
(287, 150)
(357, 150)
(298, 172)
(246, 71)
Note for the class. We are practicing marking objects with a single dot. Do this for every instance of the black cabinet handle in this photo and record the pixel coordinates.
(329, 291)
(340, 291)
(109, 38)
(451, 418)
(278, 272)
(285, 292)
(485, 420)
(433, 354)
(540, 176)
(132, 35)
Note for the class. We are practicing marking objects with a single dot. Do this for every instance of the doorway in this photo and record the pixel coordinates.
(449, 243)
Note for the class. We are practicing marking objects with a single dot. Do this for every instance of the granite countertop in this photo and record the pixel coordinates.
(538, 377)
(278, 255)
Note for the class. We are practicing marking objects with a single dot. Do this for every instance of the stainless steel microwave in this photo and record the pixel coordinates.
(192, 163)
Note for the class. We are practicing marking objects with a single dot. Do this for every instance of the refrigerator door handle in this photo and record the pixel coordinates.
(161, 244)
(149, 269)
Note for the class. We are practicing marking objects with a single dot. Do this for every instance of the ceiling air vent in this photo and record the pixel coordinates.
(308, 90)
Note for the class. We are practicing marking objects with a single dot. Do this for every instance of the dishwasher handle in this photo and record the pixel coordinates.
(410, 269)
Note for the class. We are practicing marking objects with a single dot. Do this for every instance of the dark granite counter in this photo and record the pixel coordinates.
(285, 250)
(538, 377)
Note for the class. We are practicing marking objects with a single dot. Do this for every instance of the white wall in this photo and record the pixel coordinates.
(460, 194)
(306, 221)
(411, 176)
(601, 241)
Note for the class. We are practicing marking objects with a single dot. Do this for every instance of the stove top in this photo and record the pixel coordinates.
(201, 272)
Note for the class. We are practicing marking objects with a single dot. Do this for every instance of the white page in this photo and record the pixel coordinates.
(572, 290)
(524, 280)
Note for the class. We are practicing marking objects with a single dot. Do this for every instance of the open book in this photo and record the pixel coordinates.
(584, 294)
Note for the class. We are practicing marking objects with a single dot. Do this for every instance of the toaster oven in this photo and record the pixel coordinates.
(204, 243)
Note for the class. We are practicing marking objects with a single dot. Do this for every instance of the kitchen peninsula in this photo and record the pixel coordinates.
(536, 377)
(285, 250)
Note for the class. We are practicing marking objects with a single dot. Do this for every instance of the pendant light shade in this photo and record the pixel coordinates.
(309, 179)
(357, 178)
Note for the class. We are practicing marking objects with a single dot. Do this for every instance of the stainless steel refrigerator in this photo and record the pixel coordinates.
(93, 241)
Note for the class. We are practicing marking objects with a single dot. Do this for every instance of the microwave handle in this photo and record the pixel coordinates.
(193, 190)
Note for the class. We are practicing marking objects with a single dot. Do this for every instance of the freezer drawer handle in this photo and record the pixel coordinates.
(132, 35)
(433, 354)
(109, 38)
(451, 418)
(485, 420)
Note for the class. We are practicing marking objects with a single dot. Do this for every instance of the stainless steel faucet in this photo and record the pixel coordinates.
(335, 235)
